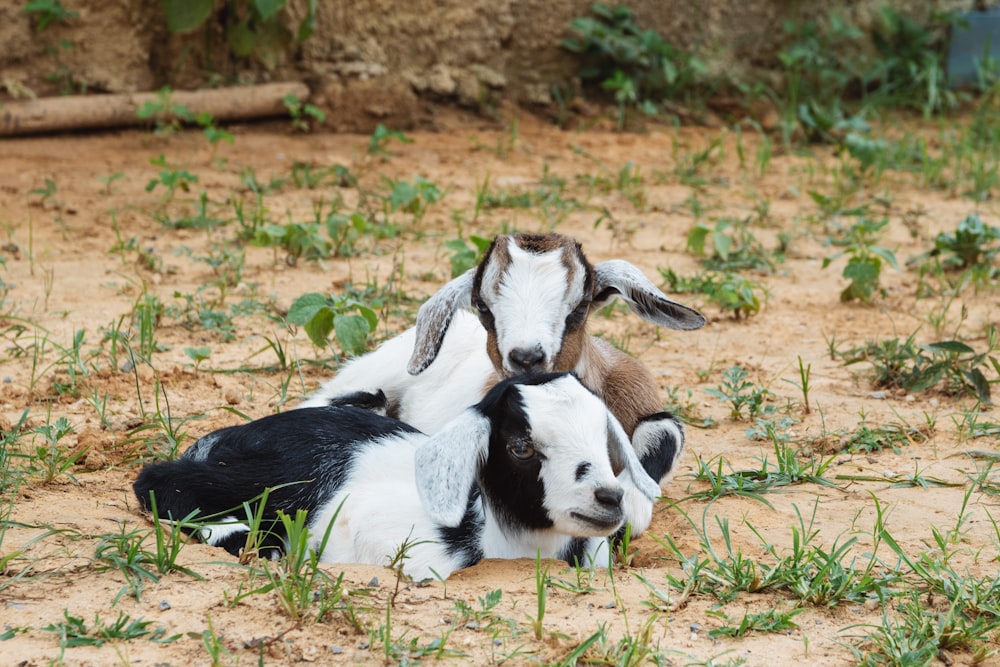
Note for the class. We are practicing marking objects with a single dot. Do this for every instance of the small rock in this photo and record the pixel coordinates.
(164, 605)
(336, 650)
(232, 395)
(696, 627)
(373, 582)
(880, 395)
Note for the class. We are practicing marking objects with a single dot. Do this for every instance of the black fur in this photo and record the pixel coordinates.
(302, 455)
(659, 459)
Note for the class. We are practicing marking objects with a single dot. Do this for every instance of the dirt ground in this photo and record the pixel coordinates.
(65, 275)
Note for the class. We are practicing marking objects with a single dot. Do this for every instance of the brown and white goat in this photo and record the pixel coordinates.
(532, 295)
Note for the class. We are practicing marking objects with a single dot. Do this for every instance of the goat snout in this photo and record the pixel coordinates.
(527, 360)
(609, 496)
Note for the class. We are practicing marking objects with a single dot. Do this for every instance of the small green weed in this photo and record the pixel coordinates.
(904, 364)
(303, 114)
(731, 292)
(47, 12)
(350, 320)
(865, 259)
(737, 390)
(771, 620)
(466, 254)
(73, 631)
(379, 142)
(734, 247)
(170, 179)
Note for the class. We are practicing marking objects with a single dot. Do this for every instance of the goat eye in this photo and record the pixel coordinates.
(482, 307)
(522, 451)
(579, 313)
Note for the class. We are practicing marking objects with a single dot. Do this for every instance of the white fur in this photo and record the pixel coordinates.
(429, 378)
(404, 488)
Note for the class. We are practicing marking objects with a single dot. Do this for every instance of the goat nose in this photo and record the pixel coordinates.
(527, 360)
(611, 496)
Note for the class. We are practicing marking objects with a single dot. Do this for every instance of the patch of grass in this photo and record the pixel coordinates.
(731, 292)
(771, 620)
(733, 247)
(73, 631)
(637, 67)
(741, 393)
(907, 365)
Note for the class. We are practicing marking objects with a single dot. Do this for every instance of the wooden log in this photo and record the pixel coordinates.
(75, 112)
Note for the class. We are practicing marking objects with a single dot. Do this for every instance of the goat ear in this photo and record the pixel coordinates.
(618, 278)
(447, 463)
(434, 317)
(623, 456)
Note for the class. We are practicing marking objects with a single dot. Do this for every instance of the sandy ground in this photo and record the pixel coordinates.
(64, 275)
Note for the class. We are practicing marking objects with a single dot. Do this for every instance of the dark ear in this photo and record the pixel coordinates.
(618, 278)
(434, 317)
(447, 463)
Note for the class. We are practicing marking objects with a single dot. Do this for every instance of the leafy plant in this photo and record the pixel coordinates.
(47, 12)
(906, 365)
(350, 320)
(252, 29)
(169, 116)
(378, 143)
(865, 259)
(637, 66)
(51, 457)
(303, 114)
(466, 254)
(737, 390)
(73, 631)
(731, 292)
(734, 247)
(972, 244)
(412, 197)
(770, 620)
(909, 68)
(170, 179)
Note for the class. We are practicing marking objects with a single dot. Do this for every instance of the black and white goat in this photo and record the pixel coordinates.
(538, 466)
(532, 295)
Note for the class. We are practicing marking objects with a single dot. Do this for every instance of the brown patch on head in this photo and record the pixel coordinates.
(493, 349)
(498, 255)
(569, 353)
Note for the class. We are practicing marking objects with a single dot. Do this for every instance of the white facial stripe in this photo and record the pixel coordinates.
(531, 299)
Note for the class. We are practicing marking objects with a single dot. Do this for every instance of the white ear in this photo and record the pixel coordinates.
(446, 465)
(434, 317)
(618, 278)
(623, 456)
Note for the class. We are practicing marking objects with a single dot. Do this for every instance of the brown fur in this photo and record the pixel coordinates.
(626, 386)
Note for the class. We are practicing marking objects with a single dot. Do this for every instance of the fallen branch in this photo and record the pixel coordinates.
(77, 112)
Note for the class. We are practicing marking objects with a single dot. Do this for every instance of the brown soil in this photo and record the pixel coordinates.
(64, 276)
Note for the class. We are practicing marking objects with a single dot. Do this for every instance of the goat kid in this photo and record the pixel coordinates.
(530, 469)
(532, 295)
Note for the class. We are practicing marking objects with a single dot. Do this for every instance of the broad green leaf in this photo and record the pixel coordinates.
(186, 15)
(319, 327)
(352, 333)
(268, 8)
(305, 307)
(955, 346)
(242, 40)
